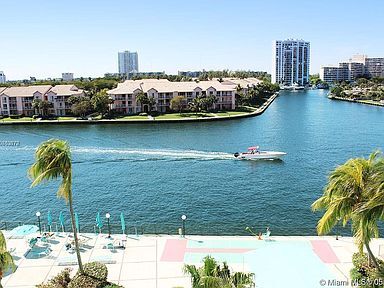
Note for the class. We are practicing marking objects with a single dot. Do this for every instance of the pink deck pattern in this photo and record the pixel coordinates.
(324, 251)
(175, 250)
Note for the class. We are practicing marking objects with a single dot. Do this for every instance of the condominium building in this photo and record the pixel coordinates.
(163, 91)
(357, 66)
(128, 63)
(291, 62)
(330, 74)
(59, 96)
(2, 78)
(18, 100)
(67, 76)
(374, 67)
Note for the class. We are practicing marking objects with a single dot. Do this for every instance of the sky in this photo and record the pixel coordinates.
(45, 38)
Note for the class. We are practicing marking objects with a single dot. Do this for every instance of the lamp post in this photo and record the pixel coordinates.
(109, 227)
(183, 218)
(38, 220)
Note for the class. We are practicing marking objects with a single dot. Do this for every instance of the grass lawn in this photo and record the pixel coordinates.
(230, 113)
(184, 115)
(133, 117)
(66, 118)
(26, 119)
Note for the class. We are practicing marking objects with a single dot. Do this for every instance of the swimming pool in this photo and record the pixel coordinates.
(290, 263)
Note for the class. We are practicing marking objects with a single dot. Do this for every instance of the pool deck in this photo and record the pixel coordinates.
(157, 260)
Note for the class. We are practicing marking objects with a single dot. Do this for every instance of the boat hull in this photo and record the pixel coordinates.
(261, 155)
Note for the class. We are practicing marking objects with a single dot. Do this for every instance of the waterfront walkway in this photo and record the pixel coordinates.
(157, 261)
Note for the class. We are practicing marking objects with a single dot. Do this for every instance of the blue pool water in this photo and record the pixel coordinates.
(295, 262)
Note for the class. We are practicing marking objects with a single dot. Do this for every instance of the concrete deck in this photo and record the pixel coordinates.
(157, 261)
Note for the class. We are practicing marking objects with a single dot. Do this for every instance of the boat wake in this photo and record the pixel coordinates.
(153, 154)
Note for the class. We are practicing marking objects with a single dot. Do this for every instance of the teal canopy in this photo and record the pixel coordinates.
(122, 222)
(99, 222)
(61, 219)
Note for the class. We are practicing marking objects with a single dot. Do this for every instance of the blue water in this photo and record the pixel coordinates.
(154, 173)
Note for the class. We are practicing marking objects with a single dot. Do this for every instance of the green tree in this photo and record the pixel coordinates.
(196, 104)
(82, 108)
(177, 103)
(142, 98)
(45, 106)
(42, 106)
(208, 101)
(101, 101)
(6, 260)
(74, 99)
(36, 105)
(53, 161)
(352, 194)
(151, 103)
(337, 91)
(212, 275)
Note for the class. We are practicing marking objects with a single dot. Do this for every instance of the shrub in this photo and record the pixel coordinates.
(363, 271)
(1, 116)
(112, 285)
(95, 276)
(61, 280)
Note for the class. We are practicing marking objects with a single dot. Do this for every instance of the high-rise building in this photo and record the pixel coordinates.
(67, 76)
(291, 62)
(374, 67)
(2, 77)
(128, 63)
(357, 66)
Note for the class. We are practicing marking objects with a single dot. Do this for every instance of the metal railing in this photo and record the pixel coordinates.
(192, 228)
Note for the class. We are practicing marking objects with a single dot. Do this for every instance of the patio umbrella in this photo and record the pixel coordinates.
(61, 219)
(49, 220)
(122, 222)
(99, 222)
(77, 223)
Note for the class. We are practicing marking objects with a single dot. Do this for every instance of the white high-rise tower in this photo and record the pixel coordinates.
(2, 77)
(128, 63)
(291, 62)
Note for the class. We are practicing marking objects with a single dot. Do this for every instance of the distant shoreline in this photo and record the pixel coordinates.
(367, 102)
(257, 112)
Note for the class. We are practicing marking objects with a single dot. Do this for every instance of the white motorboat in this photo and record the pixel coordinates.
(255, 154)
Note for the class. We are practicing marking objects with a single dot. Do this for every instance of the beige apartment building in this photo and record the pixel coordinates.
(18, 100)
(163, 91)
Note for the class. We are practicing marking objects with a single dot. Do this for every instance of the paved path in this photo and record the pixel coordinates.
(157, 261)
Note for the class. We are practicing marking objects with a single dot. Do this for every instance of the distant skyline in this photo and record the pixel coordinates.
(45, 38)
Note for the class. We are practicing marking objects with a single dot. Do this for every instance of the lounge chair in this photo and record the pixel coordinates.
(111, 247)
(32, 242)
(266, 235)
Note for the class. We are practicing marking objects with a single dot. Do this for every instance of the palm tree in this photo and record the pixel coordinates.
(6, 260)
(52, 161)
(212, 275)
(143, 99)
(352, 194)
(196, 104)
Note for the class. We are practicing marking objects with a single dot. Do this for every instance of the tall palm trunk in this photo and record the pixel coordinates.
(75, 234)
(1, 277)
(371, 257)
